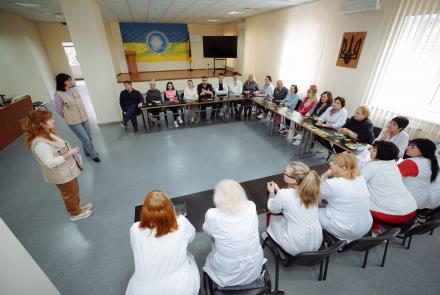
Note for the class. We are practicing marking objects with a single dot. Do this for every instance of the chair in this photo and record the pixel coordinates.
(421, 229)
(368, 243)
(427, 213)
(309, 258)
(260, 286)
(39, 105)
(376, 131)
(404, 227)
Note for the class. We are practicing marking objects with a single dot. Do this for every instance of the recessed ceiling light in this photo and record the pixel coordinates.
(27, 4)
(234, 12)
(213, 20)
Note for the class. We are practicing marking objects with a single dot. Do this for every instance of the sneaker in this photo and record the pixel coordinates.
(260, 116)
(123, 125)
(82, 215)
(179, 120)
(97, 159)
(298, 136)
(86, 207)
(296, 142)
(264, 235)
(176, 124)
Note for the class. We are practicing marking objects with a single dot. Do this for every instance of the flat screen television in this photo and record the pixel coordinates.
(220, 46)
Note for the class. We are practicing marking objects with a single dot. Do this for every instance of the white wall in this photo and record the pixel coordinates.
(24, 67)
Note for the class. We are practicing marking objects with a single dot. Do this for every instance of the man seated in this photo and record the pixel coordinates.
(130, 101)
(154, 97)
(235, 89)
(221, 88)
(205, 92)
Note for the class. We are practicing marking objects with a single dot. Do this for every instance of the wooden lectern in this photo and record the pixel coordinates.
(130, 56)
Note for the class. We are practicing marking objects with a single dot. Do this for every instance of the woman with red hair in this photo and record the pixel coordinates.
(57, 160)
(159, 242)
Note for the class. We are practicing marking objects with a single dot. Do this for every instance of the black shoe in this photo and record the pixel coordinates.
(136, 132)
(97, 159)
(87, 155)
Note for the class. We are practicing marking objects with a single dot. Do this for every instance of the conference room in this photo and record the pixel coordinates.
(219, 147)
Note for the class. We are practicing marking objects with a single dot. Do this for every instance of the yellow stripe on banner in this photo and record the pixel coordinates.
(174, 52)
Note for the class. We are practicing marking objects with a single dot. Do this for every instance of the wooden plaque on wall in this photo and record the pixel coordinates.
(351, 48)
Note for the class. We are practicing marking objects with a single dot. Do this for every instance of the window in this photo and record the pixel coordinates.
(71, 53)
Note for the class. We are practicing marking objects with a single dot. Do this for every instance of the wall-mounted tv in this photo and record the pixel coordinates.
(220, 46)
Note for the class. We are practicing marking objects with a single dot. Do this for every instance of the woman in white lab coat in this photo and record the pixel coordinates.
(296, 229)
(236, 257)
(163, 265)
(347, 214)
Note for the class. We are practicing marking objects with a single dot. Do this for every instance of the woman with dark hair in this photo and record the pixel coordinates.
(395, 134)
(324, 103)
(172, 96)
(359, 127)
(390, 200)
(291, 101)
(159, 241)
(57, 160)
(335, 116)
(69, 105)
(420, 170)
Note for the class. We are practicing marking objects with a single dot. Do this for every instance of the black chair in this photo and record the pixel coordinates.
(376, 131)
(427, 213)
(368, 243)
(309, 258)
(404, 227)
(421, 229)
(260, 286)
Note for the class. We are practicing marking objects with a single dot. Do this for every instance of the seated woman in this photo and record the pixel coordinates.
(434, 193)
(190, 95)
(359, 127)
(250, 88)
(171, 95)
(347, 215)
(324, 103)
(306, 106)
(291, 101)
(159, 242)
(390, 200)
(296, 229)
(266, 90)
(335, 116)
(236, 257)
(395, 134)
(420, 170)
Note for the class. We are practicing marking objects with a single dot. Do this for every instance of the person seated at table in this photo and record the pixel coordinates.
(306, 106)
(390, 200)
(420, 169)
(359, 127)
(159, 242)
(347, 213)
(250, 88)
(172, 96)
(395, 134)
(236, 257)
(433, 200)
(205, 92)
(131, 102)
(294, 222)
(154, 97)
(190, 95)
(279, 94)
(323, 104)
(235, 89)
(266, 90)
(221, 88)
(291, 101)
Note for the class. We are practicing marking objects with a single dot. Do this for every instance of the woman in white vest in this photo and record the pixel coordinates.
(57, 160)
(236, 257)
(69, 105)
(420, 170)
(347, 214)
(296, 228)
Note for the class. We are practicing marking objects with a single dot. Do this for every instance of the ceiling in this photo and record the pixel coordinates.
(153, 11)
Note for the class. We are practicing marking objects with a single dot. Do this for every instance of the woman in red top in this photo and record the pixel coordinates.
(309, 101)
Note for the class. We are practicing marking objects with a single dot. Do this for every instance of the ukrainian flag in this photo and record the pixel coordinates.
(156, 42)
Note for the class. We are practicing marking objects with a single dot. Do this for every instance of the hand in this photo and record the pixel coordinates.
(275, 185)
(345, 131)
(71, 152)
(271, 187)
(140, 105)
(328, 173)
(319, 124)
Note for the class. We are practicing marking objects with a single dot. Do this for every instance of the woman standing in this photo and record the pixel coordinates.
(69, 105)
(296, 229)
(163, 264)
(56, 159)
(190, 95)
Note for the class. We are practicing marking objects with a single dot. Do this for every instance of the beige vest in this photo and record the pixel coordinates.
(65, 172)
(73, 108)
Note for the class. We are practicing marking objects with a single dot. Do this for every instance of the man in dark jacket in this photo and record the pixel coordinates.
(131, 101)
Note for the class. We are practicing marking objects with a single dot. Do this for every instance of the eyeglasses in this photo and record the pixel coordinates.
(285, 174)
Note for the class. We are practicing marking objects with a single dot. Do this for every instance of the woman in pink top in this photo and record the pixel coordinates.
(309, 101)
(172, 96)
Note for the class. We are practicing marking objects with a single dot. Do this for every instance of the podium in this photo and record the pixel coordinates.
(130, 56)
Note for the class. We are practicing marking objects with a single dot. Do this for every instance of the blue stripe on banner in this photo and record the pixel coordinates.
(137, 32)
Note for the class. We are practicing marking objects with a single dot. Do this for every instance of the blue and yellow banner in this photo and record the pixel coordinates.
(156, 42)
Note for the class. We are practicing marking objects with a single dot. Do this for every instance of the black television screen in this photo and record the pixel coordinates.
(220, 46)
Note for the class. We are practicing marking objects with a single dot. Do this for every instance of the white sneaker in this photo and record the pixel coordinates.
(82, 215)
(296, 142)
(260, 116)
(298, 136)
(87, 206)
(179, 120)
(176, 124)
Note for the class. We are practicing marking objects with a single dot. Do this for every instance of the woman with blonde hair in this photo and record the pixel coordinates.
(159, 242)
(296, 228)
(236, 257)
(56, 159)
(347, 213)
(359, 127)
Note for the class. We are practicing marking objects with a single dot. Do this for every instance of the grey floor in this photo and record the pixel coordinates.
(93, 256)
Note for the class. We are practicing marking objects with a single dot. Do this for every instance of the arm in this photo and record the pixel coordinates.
(165, 97)
(121, 101)
(190, 231)
(140, 98)
(366, 134)
(326, 191)
(59, 105)
(207, 225)
(402, 142)
(339, 120)
(408, 168)
(44, 153)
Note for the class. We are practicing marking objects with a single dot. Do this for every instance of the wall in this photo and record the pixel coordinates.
(23, 63)
(268, 36)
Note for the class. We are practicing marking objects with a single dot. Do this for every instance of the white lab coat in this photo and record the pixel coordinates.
(298, 228)
(347, 215)
(163, 266)
(236, 257)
